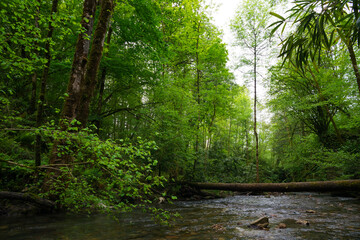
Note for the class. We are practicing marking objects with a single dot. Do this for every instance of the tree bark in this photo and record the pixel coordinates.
(90, 79)
(354, 64)
(325, 186)
(76, 77)
(72, 100)
(198, 100)
(101, 84)
(32, 106)
(255, 123)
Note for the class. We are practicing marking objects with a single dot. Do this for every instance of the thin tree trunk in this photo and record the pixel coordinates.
(197, 100)
(350, 48)
(102, 86)
(354, 64)
(246, 155)
(44, 78)
(229, 139)
(326, 186)
(255, 130)
(32, 107)
(287, 126)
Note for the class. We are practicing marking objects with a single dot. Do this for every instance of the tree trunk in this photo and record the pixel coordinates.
(326, 186)
(90, 79)
(197, 85)
(32, 106)
(255, 124)
(44, 78)
(72, 100)
(82, 81)
(76, 77)
(100, 99)
(354, 64)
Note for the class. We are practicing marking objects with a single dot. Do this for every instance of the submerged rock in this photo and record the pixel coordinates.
(218, 227)
(304, 222)
(281, 226)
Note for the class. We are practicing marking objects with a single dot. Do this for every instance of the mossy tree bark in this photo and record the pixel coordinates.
(92, 67)
(72, 100)
(84, 71)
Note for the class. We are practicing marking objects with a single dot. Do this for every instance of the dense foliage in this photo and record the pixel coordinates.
(162, 78)
(98, 110)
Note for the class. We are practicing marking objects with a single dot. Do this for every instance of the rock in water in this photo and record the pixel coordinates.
(261, 223)
(304, 222)
(281, 225)
(218, 227)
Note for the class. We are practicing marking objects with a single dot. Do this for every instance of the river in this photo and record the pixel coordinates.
(226, 218)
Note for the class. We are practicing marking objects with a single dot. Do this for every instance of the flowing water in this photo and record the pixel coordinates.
(225, 218)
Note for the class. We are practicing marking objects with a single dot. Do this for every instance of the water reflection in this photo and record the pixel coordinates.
(227, 218)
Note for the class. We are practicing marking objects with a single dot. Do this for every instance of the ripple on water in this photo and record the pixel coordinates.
(226, 218)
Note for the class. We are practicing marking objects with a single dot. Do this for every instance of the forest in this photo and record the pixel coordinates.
(110, 103)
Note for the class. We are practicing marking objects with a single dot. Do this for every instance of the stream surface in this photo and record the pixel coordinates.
(225, 218)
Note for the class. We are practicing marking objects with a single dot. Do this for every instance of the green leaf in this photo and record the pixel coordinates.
(277, 15)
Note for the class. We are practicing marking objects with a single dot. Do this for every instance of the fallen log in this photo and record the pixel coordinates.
(319, 186)
(27, 198)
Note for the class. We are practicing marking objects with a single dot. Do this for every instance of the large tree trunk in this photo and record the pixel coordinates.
(83, 77)
(90, 79)
(326, 186)
(72, 100)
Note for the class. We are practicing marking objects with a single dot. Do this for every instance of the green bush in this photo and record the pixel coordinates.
(102, 175)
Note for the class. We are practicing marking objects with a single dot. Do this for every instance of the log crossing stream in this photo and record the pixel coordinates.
(329, 217)
(317, 186)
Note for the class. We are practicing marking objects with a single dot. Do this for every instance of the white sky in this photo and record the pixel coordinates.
(225, 11)
(222, 15)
